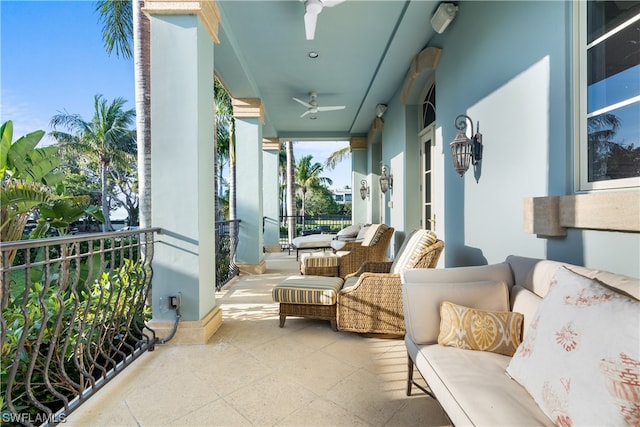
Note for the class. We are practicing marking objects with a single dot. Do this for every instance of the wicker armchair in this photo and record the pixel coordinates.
(371, 298)
(372, 248)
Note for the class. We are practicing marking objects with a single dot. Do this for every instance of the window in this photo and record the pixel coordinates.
(610, 105)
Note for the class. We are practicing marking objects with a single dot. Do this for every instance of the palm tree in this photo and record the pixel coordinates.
(336, 157)
(123, 22)
(308, 177)
(291, 200)
(106, 139)
(225, 141)
(282, 180)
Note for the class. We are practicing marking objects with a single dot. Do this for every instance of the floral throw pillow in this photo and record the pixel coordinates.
(580, 359)
(463, 327)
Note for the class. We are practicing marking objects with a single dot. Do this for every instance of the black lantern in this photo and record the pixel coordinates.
(364, 189)
(386, 179)
(463, 149)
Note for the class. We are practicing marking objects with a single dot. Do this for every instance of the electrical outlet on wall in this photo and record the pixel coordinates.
(174, 301)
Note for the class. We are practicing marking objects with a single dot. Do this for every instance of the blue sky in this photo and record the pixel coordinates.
(52, 59)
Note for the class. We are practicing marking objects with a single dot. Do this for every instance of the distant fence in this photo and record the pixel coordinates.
(306, 225)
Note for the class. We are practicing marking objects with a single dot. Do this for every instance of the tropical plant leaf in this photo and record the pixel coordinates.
(43, 162)
(6, 135)
(18, 156)
(23, 196)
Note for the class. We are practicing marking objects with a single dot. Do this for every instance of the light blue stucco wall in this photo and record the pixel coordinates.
(182, 134)
(400, 151)
(249, 190)
(509, 66)
(271, 197)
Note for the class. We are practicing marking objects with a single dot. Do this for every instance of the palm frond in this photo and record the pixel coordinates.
(117, 26)
(337, 157)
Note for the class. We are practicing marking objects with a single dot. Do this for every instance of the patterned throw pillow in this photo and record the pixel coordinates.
(496, 331)
(580, 359)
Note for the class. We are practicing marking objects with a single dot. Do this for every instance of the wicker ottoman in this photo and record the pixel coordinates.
(319, 264)
(308, 296)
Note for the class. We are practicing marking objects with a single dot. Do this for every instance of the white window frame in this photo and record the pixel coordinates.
(580, 61)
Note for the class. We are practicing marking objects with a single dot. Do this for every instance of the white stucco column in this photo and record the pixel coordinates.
(361, 209)
(249, 117)
(271, 193)
(182, 168)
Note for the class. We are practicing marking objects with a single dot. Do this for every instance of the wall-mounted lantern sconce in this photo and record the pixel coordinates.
(463, 149)
(364, 189)
(386, 179)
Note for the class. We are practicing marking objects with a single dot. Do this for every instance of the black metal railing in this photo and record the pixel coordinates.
(306, 225)
(226, 246)
(73, 316)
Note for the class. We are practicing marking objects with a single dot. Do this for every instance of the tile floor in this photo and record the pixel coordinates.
(252, 372)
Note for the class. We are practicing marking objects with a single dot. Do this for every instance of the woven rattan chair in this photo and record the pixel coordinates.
(372, 248)
(371, 298)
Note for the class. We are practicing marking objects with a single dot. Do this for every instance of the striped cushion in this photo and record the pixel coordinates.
(315, 290)
(374, 233)
(319, 260)
(411, 249)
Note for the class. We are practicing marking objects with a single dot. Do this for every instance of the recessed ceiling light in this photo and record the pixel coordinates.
(313, 54)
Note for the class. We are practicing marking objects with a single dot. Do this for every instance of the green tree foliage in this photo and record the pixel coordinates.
(225, 149)
(321, 202)
(27, 174)
(308, 177)
(106, 140)
(117, 26)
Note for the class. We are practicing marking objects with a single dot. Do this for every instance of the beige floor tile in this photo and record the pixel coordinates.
(218, 413)
(270, 399)
(419, 411)
(252, 372)
(322, 412)
(318, 371)
(363, 395)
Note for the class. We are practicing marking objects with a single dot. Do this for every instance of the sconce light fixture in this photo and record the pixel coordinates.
(463, 149)
(380, 110)
(443, 16)
(364, 189)
(386, 179)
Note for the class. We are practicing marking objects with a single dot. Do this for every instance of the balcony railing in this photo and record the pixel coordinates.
(305, 225)
(226, 246)
(73, 316)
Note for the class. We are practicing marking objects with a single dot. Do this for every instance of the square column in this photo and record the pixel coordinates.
(182, 163)
(271, 193)
(248, 114)
(361, 209)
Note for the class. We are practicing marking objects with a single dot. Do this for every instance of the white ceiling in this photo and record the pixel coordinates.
(364, 47)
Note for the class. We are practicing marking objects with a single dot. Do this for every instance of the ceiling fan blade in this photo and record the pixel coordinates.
(305, 113)
(306, 104)
(310, 20)
(332, 108)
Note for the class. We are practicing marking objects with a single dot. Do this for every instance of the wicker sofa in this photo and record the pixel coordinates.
(370, 300)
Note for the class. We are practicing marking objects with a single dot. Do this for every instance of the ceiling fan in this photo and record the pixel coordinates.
(313, 107)
(312, 10)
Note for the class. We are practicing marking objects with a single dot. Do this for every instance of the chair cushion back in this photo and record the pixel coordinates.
(373, 234)
(411, 250)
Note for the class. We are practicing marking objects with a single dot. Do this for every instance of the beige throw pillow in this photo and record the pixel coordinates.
(495, 331)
